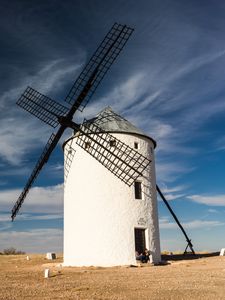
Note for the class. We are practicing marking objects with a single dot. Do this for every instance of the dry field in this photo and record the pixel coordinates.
(202, 278)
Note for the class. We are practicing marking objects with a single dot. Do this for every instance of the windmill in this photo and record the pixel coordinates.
(126, 163)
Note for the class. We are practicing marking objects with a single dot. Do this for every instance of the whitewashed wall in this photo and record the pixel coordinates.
(100, 211)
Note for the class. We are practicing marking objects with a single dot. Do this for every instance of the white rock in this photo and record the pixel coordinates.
(51, 255)
(222, 252)
(47, 273)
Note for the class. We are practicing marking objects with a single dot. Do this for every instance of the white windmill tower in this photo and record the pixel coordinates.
(106, 220)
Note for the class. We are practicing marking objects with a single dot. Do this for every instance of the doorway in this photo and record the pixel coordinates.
(140, 243)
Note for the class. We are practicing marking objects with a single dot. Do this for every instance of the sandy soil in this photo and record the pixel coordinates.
(202, 278)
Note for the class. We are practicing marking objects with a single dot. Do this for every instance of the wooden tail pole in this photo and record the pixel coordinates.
(177, 221)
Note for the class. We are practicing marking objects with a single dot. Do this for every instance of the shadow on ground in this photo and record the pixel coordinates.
(173, 257)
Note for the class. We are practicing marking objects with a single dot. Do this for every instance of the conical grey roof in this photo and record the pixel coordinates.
(111, 122)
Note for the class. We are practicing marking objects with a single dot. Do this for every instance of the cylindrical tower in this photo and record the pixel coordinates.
(105, 220)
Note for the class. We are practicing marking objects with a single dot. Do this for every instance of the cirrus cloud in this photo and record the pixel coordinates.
(216, 200)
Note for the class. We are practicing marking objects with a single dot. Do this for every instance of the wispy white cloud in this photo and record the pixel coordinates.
(48, 78)
(164, 223)
(211, 210)
(170, 171)
(33, 241)
(162, 130)
(57, 167)
(27, 217)
(119, 97)
(160, 86)
(220, 144)
(171, 196)
(215, 200)
(39, 200)
(19, 137)
(6, 225)
(45, 80)
(56, 170)
(194, 64)
(4, 217)
(203, 224)
(174, 192)
(173, 189)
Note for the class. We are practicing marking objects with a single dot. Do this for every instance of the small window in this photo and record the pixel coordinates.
(112, 143)
(136, 145)
(137, 190)
(87, 145)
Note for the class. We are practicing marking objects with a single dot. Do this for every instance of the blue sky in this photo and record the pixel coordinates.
(168, 81)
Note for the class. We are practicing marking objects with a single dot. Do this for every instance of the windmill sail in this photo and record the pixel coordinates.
(52, 142)
(42, 107)
(54, 113)
(120, 159)
(99, 64)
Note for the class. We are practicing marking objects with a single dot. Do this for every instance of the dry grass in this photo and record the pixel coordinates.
(202, 278)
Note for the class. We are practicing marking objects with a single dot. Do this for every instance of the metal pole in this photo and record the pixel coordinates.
(175, 218)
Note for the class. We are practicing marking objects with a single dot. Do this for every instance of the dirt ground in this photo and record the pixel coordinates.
(201, 278)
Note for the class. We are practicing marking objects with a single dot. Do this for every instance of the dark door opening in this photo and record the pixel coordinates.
(139, 235)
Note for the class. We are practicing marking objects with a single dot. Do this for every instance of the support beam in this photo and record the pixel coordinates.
(177, 221)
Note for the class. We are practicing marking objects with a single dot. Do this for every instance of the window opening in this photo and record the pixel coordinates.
(87, 145)
(138, 190)
(136, 145)
(112, 143)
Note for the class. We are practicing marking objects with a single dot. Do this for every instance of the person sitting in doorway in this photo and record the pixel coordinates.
(147, 255)
(143, 257)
